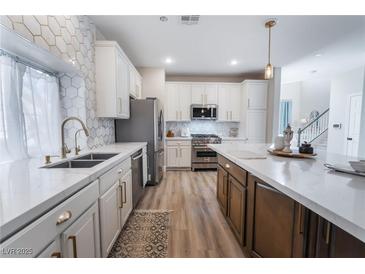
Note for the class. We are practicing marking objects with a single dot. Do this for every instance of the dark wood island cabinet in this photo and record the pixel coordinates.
(269, 224)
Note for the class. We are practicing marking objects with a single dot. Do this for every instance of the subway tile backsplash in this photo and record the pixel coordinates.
(202, 127)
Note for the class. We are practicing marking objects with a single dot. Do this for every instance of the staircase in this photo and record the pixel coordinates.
(315, 132)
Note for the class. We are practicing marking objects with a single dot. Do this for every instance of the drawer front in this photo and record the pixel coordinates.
(178, 143)
(109, 178)
(36, 236)
(237, 172)
(52, 251)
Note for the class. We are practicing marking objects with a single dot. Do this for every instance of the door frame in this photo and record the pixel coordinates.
(347, 127)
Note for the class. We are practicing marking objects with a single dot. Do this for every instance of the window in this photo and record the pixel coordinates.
(285, 114)
(29, 111)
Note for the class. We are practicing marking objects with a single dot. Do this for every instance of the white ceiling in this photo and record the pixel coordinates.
(208, 48)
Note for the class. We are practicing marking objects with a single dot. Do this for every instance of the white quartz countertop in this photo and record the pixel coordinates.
(337, 197)
(178, 138)
(225, 138)
(28, 191)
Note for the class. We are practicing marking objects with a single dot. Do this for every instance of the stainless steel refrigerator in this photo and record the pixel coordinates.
(146, 124)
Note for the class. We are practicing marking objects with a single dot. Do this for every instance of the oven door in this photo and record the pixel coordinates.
(203, 112)
(203, 154)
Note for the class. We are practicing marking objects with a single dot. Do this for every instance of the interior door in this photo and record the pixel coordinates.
(353, 130)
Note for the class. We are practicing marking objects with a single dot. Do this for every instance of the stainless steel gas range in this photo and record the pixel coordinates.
(203, 157)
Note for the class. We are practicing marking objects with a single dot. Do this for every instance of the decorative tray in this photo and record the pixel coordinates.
(344, 170)
(294, 154)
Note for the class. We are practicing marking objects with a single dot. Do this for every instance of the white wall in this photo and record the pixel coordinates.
(291, 92)
(153, 84)
(315, 95)
(341, 87)
(306, 96)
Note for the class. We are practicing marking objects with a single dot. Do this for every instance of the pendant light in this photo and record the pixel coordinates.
(269, 70)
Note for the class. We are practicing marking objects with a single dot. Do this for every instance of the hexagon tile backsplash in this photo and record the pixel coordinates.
(71, 38)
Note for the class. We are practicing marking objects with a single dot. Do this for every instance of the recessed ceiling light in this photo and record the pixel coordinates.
(234, 62)
(163, 19)
(168, 60)
(318, 55)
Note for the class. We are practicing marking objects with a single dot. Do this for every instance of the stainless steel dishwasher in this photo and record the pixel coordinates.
(137, 177)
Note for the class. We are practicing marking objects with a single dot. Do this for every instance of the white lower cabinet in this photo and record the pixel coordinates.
(52, 251)
(178, 154)
(126, 189)
(82, 238)
(110, 217)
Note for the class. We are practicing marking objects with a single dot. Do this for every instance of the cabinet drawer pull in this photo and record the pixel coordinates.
(65, 216)
(120, 187)
(125, 192)
(56, 255)
(227, 166)
(328, 233)
(74, 245)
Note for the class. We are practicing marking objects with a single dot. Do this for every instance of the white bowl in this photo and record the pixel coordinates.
(358, 166)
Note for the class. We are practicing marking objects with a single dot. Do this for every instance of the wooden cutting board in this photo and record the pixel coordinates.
(294, 154)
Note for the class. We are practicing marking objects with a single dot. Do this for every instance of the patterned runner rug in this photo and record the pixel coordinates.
(145, 235)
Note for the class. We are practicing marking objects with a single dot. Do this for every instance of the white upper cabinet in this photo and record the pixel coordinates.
(229, 106)
(204, 94)
(178, 101)
(256, 94)
(116, 79)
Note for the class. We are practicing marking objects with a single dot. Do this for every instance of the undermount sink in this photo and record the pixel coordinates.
(97, 156)
(76, 164)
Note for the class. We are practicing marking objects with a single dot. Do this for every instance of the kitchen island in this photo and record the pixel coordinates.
(335, 199)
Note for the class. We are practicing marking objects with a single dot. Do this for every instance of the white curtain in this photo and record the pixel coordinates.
(29, 112)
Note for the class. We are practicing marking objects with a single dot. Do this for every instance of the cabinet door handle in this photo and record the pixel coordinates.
(328, 233)
(231, 115)
(176, 152)
(120, 105)
(65, 216)
(176, 116)
(120, 189)
(180, 115)
(227, 114)
(225, 184)
(125, 192)
(56, 255)
(74, 245)
(180, 153)
(248, 102)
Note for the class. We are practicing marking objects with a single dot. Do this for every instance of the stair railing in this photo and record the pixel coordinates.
(314, 129)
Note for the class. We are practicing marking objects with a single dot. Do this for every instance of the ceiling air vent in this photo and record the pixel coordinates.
(190, 19)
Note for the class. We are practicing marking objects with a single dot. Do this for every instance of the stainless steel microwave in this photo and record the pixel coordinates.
(203, 112)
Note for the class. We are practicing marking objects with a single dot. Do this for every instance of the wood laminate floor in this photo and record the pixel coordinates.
(198, 228)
